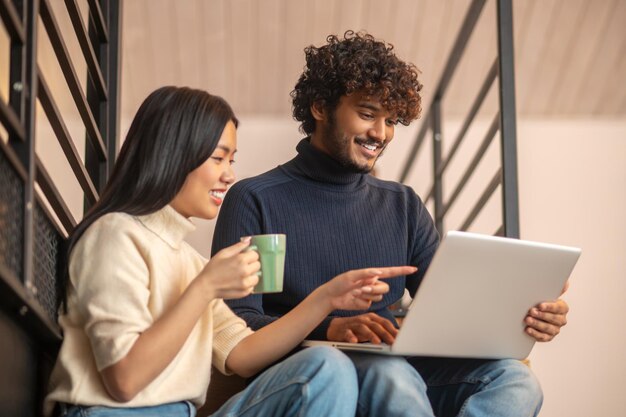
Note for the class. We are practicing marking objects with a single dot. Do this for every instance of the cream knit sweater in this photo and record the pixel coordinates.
(125, 272)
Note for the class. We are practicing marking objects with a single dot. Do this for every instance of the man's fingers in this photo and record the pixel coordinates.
(556, 319)
(380, 320)
(390, 327)
(556, 307)
(539, 336)
(368, 327)
(387, 326)
(350, 337)
(544, 322)
(382, 333)
(542, 326)
(365, 334)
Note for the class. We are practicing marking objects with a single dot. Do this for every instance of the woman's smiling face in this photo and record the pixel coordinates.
(204, 189)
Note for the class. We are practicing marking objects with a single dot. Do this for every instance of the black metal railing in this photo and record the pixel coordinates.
(34, 216)
(504, 121)
(98, 111)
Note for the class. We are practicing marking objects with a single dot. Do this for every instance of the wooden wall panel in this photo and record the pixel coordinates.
(528, 56)
(212, 46)
(581, 47)
(569, 53)
(604, 80)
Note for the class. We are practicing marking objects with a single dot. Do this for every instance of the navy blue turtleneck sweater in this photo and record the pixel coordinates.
(335, 220)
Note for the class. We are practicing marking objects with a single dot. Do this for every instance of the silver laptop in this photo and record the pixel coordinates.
(474, 297)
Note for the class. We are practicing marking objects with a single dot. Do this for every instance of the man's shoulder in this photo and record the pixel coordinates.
(272, 178)
(390, 186)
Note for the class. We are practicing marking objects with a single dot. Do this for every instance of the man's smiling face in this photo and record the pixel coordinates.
(356, 133)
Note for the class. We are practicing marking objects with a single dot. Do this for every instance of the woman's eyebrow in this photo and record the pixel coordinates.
(226, 149)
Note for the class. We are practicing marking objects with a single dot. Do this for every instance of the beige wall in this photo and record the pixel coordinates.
(572, 191)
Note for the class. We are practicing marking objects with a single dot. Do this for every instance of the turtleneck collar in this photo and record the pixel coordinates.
(318, 166)
(169, 225)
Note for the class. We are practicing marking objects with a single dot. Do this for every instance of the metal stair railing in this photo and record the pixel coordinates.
(504, 121)
(34, 217)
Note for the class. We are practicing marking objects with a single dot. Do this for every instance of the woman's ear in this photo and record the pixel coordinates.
(318, 110)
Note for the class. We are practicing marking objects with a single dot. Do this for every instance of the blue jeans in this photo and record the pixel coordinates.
(179, 409)
(395, 386)
(319, 381)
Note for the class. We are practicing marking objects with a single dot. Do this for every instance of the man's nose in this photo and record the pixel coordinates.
(379, 130)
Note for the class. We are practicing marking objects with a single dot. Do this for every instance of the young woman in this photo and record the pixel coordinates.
(143, 315)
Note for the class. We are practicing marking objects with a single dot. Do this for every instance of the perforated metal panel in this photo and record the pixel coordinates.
(45, 258)
(11, 217)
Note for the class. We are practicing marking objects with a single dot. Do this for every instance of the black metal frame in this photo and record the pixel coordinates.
(27, 285)
(504, 121)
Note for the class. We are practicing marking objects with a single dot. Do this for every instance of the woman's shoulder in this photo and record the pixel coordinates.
(112, 230)
(114, 241)
(114, 224)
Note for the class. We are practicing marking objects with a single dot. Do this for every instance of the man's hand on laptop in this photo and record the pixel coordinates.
(544, 321)
(369, 327)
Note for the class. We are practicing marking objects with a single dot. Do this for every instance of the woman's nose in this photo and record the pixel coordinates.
(228, 176)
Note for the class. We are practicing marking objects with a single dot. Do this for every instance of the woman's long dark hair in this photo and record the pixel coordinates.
(175, 130)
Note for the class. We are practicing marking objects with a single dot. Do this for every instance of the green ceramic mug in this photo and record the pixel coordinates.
(271, 250)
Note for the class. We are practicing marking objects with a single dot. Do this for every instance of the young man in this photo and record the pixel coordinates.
(353, 92)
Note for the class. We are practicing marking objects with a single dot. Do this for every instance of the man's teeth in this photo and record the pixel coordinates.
(369, 147)
(218, 194)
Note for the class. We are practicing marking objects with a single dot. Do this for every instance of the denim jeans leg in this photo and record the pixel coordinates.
(178, 409)
(390, 387)
(317, 381)
(480, 388)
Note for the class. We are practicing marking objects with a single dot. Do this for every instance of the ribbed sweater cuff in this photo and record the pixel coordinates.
(227, 340)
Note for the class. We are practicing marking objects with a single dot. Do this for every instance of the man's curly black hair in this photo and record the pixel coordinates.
(356, 63)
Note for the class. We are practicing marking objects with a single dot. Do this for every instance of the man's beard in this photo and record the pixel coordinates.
(339, 146)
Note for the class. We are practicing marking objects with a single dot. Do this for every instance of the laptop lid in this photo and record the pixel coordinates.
(474, 297)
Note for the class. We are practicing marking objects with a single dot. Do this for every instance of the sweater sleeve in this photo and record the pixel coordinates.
(241, 216)
(423, 241)
(111, 283)
(228, 331)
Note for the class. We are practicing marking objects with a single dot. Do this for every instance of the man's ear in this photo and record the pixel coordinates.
(318, 110)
